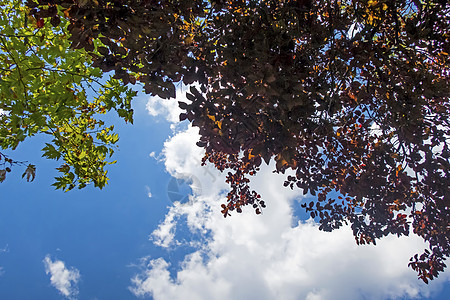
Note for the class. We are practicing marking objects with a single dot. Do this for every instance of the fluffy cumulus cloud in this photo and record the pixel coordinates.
(167, 108)
(64, 279)
(268, 256)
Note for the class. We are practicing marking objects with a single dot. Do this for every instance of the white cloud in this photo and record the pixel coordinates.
(164, 235)
(65, 280)
(354, 29)
(183, 157)
(3, 250)
(167, 108)
(149, 193)
(247, 256)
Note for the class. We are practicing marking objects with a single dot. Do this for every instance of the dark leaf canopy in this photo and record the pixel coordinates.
(353, 96)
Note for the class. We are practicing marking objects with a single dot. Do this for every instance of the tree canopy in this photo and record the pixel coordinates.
(44, 87)
(352, 96)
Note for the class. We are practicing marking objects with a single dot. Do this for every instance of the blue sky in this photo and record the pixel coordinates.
(130, 240)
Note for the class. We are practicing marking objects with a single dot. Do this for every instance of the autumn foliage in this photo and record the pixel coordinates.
(352, 96)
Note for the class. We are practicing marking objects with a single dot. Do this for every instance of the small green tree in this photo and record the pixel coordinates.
(45, 88)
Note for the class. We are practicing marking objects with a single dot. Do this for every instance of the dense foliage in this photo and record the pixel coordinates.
(353, 96)
(44, 89)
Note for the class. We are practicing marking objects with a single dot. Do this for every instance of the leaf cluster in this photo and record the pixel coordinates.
(43, 90)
